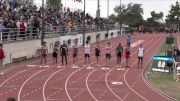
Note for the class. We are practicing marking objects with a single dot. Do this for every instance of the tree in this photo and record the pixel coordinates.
(157, 16)
(174, 14)
(55, 3)
(130, 14)
(154, 20)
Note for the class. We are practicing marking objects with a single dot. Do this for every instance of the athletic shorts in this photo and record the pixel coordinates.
(97, 55)
(54, 55)
(43, 55)
(140, 58)
(129, 44)
(87, 56)
(119, 55)
(108, 56)
(74, 55)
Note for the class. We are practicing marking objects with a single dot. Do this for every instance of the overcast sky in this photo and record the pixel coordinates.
(147, 5)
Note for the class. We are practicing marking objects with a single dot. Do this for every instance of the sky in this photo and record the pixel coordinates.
(91, 6)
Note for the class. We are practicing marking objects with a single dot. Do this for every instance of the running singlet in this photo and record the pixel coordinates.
(108, 50)
(97, 50)
(64, 49)
(75, 50)
(119, 50)
(127, 53)
(44, 50)
(141, 52)
(87, 49)
(55, 50)
(1, 54)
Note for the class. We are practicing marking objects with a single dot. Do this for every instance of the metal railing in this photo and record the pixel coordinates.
(15, 34)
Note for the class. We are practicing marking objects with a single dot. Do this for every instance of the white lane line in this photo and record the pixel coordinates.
(106, 82)
(13, 76)
(153, 88)
(67, 80)
(129, 69)
(122, 75)
(44, 86)
(20, 90)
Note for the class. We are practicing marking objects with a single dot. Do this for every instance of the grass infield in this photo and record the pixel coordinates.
(165, 81)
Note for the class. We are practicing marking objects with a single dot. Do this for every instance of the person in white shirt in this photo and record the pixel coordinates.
(108, 53)
(140, 56)
(87, 53)
(44, 52)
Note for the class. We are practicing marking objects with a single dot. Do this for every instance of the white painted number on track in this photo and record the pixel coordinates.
(105, 68)
(31, 65)
(136, 43)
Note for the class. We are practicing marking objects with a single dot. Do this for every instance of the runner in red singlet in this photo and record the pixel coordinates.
(127, 56)
(75, 54)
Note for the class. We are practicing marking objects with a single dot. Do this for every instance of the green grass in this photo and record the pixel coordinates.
(165, 81)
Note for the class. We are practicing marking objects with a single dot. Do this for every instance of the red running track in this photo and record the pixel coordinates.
(67, 84)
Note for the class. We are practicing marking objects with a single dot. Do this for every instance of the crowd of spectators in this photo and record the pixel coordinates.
(23, 16)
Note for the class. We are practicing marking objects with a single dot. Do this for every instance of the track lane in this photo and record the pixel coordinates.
(103, 95)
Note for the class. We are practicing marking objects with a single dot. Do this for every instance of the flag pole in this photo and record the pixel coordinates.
(42, 26)
(84, 31)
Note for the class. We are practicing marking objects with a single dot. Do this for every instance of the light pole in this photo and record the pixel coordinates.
(107, 16)
(120, 21)
(42, 26)
(84, 23)
(98, 10)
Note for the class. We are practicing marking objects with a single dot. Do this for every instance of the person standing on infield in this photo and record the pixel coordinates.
(44, 52)
(54, 54)
(140, 56)
(64, 52)
(119, 53)
(128, 39)
(127, 56)
(87, 53)
(2, 56)
(108, 53)
(97, 53)
(75, 54)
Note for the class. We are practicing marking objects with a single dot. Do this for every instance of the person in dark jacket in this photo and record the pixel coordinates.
(119, 53)
(64, 52)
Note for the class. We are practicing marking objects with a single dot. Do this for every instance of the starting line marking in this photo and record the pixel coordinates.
(31, 65)
(75, 67)
(116, 83)
(120, 69)
(105, 68)
(90, 68)
(59, 66)
(45, 66)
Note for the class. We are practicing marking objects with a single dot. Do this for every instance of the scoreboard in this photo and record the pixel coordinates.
(162, 64)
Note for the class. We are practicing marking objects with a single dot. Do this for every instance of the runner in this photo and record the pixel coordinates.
(108, 53)
(127, 55)
(97, 53)
(140, 56)
(75, 54)
(64, 52)
(44, 51)
(11, 99)
(87, 54)
(128, 40)
(1, 56)
(119, 52)
(54, 55)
